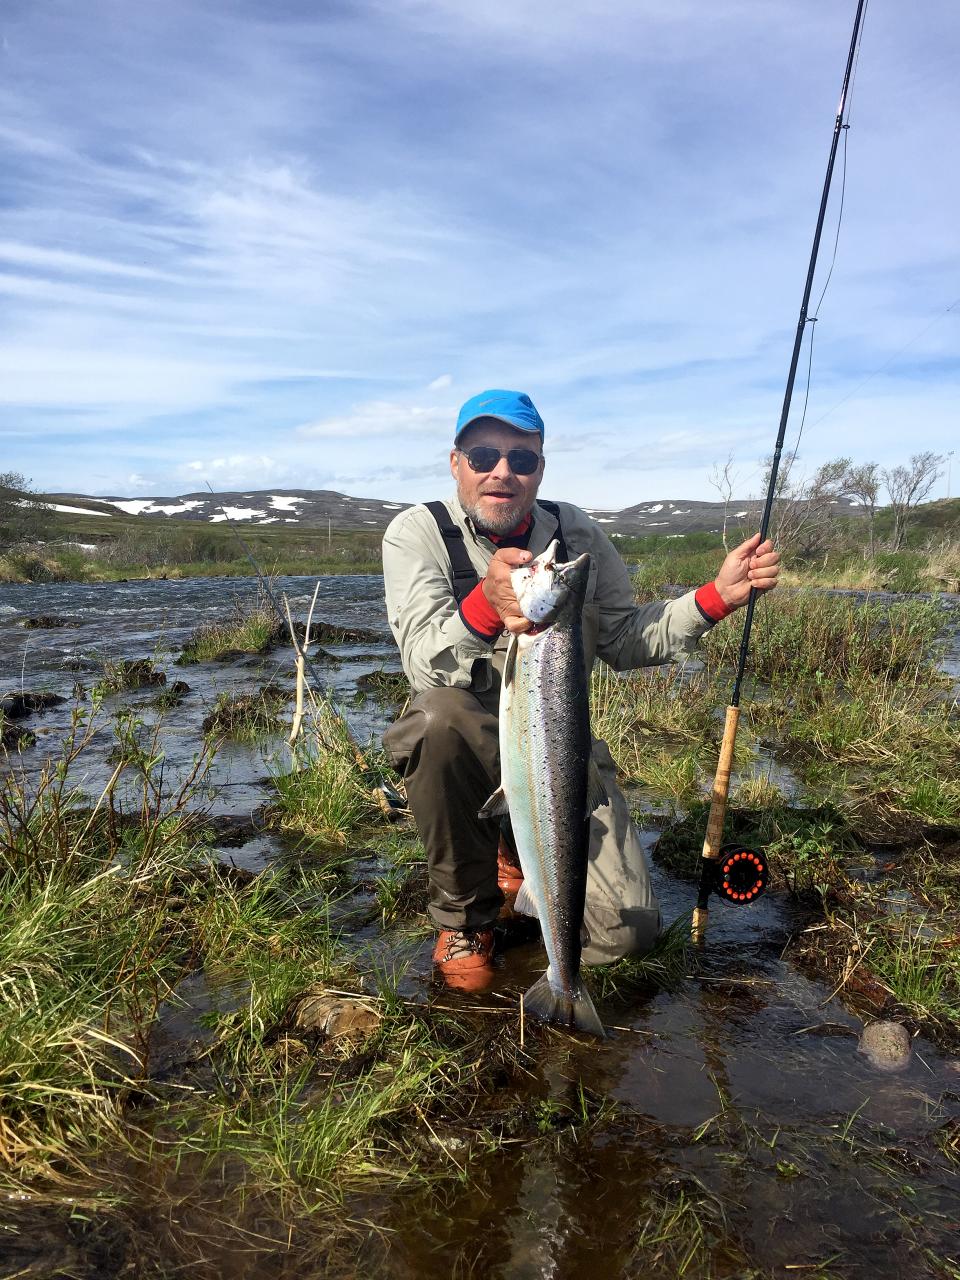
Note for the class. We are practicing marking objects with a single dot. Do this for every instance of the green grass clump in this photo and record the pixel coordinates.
(246, 717)
(329, 797)
(126, 675)
(327, 800)
(921, 969)
(252, 629)
(809, 636)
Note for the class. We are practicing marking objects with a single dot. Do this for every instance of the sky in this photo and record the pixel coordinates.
(268, 244)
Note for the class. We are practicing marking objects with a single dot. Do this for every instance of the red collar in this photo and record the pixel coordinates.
(522, 528)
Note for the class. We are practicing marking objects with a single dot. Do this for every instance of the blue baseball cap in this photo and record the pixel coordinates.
(512, 407)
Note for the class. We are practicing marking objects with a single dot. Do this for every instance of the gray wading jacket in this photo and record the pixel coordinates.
(436, 646)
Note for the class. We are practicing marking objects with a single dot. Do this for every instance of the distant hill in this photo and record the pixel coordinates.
(311, 508)
(314, 508)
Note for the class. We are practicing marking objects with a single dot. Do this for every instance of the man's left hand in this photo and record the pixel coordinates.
(752, 564)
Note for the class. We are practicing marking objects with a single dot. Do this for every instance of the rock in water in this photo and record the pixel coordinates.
(886, 1045)
(334, 1016)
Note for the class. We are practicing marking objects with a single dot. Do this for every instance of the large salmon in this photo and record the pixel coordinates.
(549, 785)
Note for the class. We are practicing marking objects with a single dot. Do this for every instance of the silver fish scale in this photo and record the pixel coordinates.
(545, 751)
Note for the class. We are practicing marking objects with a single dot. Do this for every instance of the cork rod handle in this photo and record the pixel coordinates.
(721, 786)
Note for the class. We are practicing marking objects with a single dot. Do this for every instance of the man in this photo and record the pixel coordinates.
(452, 609)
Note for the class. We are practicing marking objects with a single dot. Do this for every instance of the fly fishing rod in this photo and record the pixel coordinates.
(738, 875)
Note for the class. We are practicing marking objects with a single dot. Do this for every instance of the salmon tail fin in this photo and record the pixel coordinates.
(543, 1002)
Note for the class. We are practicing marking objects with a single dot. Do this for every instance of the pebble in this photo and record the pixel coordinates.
(886, 1045)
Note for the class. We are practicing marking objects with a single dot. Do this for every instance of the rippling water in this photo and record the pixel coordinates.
(153, 619)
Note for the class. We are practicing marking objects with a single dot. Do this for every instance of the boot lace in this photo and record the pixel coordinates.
(462, 943)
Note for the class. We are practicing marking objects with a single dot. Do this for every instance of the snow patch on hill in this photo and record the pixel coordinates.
(73, 511)
(237, 513)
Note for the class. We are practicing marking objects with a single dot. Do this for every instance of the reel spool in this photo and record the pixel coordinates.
(740, 875)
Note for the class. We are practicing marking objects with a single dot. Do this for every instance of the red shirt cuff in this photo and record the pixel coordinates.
(711, 604)
(479, 614)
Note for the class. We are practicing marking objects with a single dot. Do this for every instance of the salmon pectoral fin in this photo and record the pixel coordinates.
(496, 806)
(596, 790)
(542, 1002)
(510, 663)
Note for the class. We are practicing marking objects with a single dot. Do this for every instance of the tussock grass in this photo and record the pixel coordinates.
(921, 969)
(253, 628)
(101, 916)
(126, 675)
(327, 800)
(245, 717)
(328, 797)
(85, 954)
(810, 636)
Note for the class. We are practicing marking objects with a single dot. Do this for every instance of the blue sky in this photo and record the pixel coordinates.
(275, 245)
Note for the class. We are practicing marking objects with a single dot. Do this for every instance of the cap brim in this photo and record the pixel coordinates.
(497, 417)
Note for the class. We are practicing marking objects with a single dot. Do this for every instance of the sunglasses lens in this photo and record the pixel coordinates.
(522, 462)
(483, 458)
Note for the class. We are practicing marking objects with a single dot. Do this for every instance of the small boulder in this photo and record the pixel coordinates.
(46, 622)
(13, 737)
(336, 1017)
(886, 1045)
(17, 706)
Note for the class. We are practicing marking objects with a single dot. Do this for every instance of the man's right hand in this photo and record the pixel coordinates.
(498, 588)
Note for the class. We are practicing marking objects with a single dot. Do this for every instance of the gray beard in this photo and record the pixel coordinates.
(500, 523)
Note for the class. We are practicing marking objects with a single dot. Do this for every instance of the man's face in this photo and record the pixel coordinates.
(496, 501)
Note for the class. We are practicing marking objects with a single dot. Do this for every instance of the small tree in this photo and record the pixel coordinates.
(723, 479)
(804, 519)
(907, 486)
(863, 483)
(22, 517)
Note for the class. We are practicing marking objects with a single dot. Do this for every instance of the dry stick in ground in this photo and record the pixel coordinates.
(301, 661)
(360, 759)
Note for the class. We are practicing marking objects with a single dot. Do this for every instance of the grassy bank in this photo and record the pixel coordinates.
(314, 1084)
(109, 549)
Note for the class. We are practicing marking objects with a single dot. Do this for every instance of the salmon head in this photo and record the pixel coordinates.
(544, 587)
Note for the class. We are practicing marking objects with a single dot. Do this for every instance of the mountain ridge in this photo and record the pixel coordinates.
(320, 508)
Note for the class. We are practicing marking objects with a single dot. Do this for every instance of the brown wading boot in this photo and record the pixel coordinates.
(509, 879)
(464, 958)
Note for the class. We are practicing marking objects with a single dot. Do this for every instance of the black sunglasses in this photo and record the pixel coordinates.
(484, 457)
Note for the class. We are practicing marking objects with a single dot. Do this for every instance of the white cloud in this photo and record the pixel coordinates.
(439, 384)
(382, 418)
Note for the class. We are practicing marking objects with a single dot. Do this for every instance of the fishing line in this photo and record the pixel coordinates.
(812, 320)
(889, 361)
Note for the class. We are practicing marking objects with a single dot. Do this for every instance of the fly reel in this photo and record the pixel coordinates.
(739, 876)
